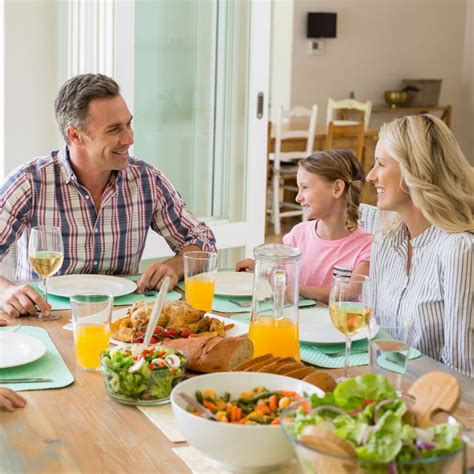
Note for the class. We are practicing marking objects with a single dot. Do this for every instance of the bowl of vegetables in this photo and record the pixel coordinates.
(139, 375)
(247, 406)
(365, 427)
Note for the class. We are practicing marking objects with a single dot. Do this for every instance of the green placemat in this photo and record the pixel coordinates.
(50, 365)
(317, 354)
(223, 305)
(59, 303)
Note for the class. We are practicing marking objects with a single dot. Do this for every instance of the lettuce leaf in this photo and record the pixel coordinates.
(351, 394)
(383, 443)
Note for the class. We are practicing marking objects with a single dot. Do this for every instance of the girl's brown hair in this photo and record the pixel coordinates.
(340, 164)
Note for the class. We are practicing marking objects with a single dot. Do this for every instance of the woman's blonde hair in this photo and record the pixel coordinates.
(340, 164)
(439, 178)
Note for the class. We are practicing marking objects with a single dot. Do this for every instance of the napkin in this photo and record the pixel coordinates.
(60, 303)
(162, 417)
(200, 464)
(50, 365)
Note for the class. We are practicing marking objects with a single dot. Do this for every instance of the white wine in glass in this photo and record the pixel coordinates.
(349, 309)
(46, 253)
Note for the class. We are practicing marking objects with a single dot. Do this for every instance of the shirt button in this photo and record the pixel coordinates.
(96, 262)
(97, 230)
(87, 197)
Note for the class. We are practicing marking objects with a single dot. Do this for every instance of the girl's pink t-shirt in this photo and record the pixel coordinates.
(322, 259)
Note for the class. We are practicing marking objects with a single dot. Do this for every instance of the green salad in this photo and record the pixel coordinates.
(367, 413)
(137, 373)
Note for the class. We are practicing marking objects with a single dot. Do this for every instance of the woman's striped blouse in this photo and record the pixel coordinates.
(437, 292)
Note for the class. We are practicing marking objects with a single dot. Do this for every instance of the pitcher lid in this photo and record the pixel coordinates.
(277, 253)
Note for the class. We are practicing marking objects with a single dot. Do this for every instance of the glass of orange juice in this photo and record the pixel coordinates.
(91, 316)
(274, 319)
(199, 274)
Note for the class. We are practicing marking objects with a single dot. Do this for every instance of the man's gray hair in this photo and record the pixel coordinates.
(72, 102)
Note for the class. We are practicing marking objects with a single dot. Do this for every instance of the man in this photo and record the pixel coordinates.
(103, 200)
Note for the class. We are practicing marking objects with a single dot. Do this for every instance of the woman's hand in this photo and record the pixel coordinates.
(10, 400)
(247, 265)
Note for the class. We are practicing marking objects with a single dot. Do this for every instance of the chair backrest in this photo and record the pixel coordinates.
(355, 132)
(365, 108)
(295, 123)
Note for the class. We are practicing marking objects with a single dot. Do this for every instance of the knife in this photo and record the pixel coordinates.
(26, 380)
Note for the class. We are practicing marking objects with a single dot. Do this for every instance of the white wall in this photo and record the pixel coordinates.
(281, 56)
(31, 82)
(381, 42)
(467, 82)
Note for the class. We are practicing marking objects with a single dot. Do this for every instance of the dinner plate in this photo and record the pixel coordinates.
(239, 329)
(233, 283)
(19, 349)
(316, 327)
(70, 285)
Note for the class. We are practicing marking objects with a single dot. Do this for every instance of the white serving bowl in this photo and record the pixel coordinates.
(236, 446)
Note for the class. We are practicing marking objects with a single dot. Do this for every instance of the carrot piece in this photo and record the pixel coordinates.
(276, 421)
(239, 414)
(209, 405)
(263, 407)
(273, 403)
(287, 393)
(305, 406)
(234, 413)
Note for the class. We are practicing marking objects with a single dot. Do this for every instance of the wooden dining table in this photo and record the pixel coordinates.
(79, 429)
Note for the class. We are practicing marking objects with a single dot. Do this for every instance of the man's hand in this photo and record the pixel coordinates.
(10, 400)
(22, 300)
(154, 275)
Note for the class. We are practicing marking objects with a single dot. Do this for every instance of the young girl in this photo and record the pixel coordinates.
(331, 243)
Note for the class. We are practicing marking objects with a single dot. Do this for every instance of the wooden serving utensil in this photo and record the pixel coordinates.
(327, 442)
(434, 392)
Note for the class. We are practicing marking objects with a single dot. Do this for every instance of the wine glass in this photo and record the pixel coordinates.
(349, 307)
(46, 254)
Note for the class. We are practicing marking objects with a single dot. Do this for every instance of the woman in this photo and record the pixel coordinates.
(422, 265)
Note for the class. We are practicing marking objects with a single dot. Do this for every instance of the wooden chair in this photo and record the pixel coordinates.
(284, 164)
(355, 133)
(346, 105)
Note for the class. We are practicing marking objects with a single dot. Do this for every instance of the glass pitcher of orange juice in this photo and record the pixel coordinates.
(274, 318)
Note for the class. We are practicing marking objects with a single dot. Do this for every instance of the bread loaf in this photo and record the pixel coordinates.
(214, 354)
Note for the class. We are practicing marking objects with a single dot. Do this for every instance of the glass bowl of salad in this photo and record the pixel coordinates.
(364, 427)
(139, 375)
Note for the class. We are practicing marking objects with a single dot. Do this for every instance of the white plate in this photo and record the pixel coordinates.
(239, 329)
(19, 349)
(70, 285)
(233, 283)
(316, 327)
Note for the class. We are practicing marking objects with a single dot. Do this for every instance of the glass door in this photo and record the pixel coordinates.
(191, 72)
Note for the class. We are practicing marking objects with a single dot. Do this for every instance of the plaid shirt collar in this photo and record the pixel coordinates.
(65, 165)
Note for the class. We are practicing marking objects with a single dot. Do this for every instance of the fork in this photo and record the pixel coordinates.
(242, 304)
(149, 292)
